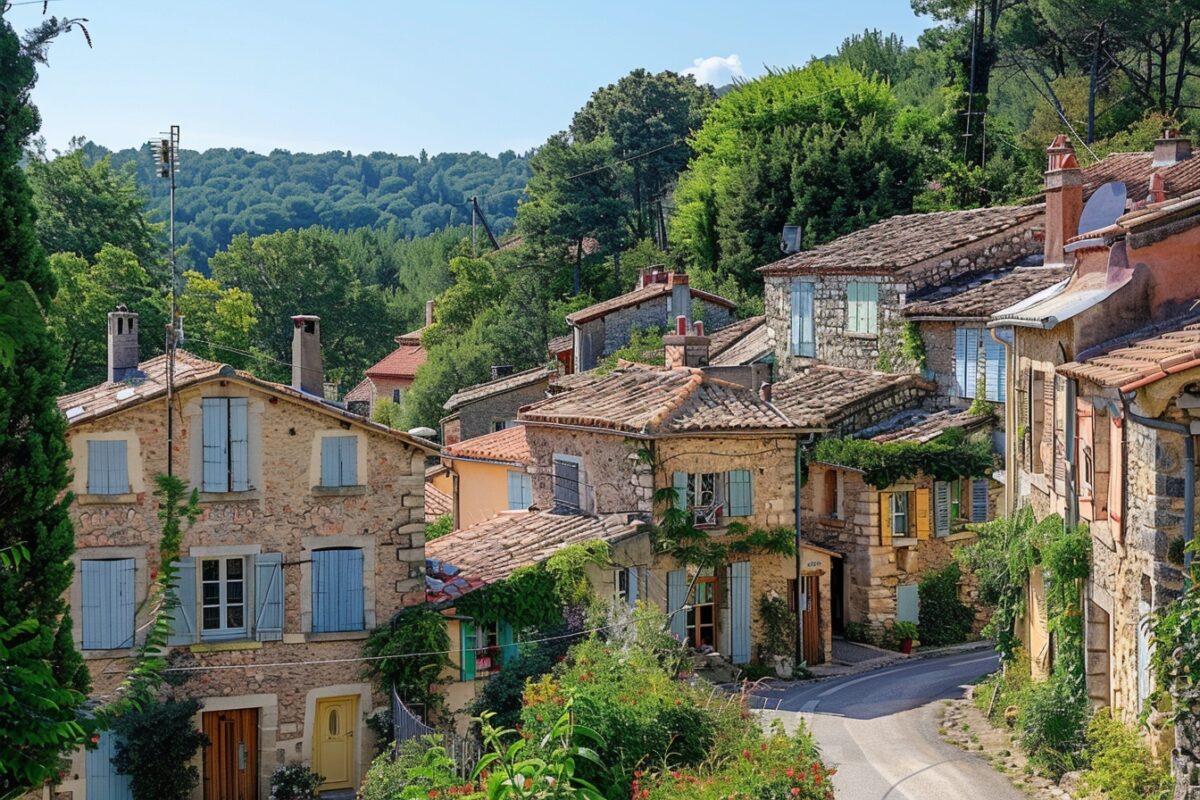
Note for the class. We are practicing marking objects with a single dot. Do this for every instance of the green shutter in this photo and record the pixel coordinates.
(466, 652)
(741, 494)
(508, 644)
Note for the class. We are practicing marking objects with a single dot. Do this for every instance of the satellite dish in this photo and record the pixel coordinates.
(790, 243)
(424, 433)
(1103, 208)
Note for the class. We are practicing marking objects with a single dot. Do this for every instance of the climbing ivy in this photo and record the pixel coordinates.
(951, 455)
(1175, 657)
(410, 653)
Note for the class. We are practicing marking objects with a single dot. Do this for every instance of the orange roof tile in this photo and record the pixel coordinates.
(402, 362)
(437, 503)
(1141, 362)
(821, 396)
(509, 446)
(645, 294)
(980, 296)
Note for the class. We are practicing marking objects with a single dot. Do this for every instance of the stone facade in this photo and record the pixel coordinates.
(285, 512)
(480, 417)
(598, 338)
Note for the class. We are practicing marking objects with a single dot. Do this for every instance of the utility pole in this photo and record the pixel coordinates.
(166, 160)
(477, 214)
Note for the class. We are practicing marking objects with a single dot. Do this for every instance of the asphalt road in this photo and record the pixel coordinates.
(880, 729)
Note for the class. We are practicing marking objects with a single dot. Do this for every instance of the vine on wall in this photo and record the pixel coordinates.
(952, 455)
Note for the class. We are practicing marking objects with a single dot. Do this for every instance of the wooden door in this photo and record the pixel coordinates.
(812, 619)
(333, 741)
(231, 758)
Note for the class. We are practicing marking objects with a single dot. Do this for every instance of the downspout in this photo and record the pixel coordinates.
(802, 442)
(1189, 472)
(1072, 516)
(1011, 428)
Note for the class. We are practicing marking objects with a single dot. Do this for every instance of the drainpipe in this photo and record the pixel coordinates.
(1072, 516)
(802, 442)
(1189, 473)
(1010, 422)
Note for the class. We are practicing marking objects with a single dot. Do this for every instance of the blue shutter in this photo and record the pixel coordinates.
(676, 598)
(107, 603)
(741, 494)
(680, 481)
(348, 460)
(268, 597)
(872, 308)
(215, 431)
(852, 307)
(972, 362)
(508, 644)
(995, 369)
(979, 500)
(239, 444)
(631, 582)
(108, 469)
(101, 779)
(803, 343)
(329, 461)
(908, 604)
(516, 495)
(960, 361)
(337, 590)
(183, 612)
(739, 612)
(466, 649)
(526, 490)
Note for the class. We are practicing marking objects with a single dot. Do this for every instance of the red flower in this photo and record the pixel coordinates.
(791, 773)
(745, 754)
(795, 791)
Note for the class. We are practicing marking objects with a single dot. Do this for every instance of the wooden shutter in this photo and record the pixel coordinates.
(268, 597)
(676, 598)
(348, 459)
(215, 432)
(680, 481)
(885, 519)
(1058, 408)
(1085, 457)
(567, 491)
(853, 307)
(803, 340)
(239, 444)
(108, 471)
(960, 361)
(979, 500)
(1116, 477)
(923, 516)
(741, 493)
(996, 369)
(1102, 455)
(107, 603)
(508, 643)
(329, 461)
(337, 590)
(871, 307)
(102, 781)
(739, 612)
(183, 611)
(467, 643)
(941, 508)
(514, 491)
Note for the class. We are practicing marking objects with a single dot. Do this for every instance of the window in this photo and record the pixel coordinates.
(966, 361)
(226, 440)
(712, 495)
(520, 490)
(396, 395)
(995, 370)
(485, 648)
(627, 587)
(956, 505)
(223, 598)
(568, 483)
(906, 513)
(862, 302)
(830, 500)
(108, 470)
(337, 590)
(107, 603)
(1038, 400)
(503, 424)
(702, 615)
(804, 342)
(339, 461)
(900, 514)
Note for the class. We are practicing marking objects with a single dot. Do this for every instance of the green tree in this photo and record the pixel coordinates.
(42, 677)
(219, 322)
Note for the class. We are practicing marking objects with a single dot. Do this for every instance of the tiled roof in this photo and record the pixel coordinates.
(403, 361)
(479, 391)
(1141, 362)
(509, 445)
(923, 426)
(980, 296)
(106, 398)
(490, 551)
(902, 241)
(361, 393)
(437, 503)
(1134, 170)
(561, 344)
(722, 339)
(820, 396)
(645, 294)
(750, 348)
(647, 401)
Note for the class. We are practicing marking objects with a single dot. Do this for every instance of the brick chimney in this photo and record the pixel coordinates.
(122, 344)
(681, 295)
(655, 273)
(1157, 189)
(429, 308)
(1171, 148)
(1064, 198)
(308, 373)
(684, 349)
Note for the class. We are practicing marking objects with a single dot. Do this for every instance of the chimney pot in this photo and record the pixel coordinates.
(429, 309)
(308, 372)
(1064, 198)
(1157, 189)
(698, 327)
(681, 325)
(764, 392)
(122, 344)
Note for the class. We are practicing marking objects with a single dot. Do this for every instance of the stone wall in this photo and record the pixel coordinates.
(479, 417)
(613, 477)
(599, 338)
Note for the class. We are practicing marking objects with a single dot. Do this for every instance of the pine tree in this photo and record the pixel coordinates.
(42, 676)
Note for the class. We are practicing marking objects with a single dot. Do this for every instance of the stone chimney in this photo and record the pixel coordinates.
(681, 295)
(122, 344)
(684, 349)
(429, 307)
(1064, 198)
(308, 373)
(1171, 148)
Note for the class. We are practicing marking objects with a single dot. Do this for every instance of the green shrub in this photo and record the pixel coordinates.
(294, 782)
(502, 693)
(944, 619)
(1121, 765)
(155, 747)
(421, 769)
(1052, 720)
(777, 624)
(419, 629)
(1006, 688)
(859, 632)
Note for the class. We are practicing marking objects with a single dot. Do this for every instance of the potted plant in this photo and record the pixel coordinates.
(777, 634)
(906, 632)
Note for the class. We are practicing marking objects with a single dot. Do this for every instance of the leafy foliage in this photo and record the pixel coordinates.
(294, 781)
(950, 456)
(420, 770)
(1121, 765)
(778, 626)
(552, 771)
(502, 693)
(155, 747)
(439, 527)
(944, 619)
(420, 630)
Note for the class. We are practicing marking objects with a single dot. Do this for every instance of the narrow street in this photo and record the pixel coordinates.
(880, 729)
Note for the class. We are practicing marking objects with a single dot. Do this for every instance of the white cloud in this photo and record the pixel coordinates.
(716, 70)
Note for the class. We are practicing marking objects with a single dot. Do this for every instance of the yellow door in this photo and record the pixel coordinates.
(333, 742)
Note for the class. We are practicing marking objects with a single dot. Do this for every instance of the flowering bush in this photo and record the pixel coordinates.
(294, 782)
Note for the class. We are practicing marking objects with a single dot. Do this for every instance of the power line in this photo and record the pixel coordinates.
(1058, 111)
(633, 157)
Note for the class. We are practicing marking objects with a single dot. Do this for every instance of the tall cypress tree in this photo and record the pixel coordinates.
(42, 676)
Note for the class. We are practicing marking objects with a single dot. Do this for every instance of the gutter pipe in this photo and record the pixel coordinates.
(802, 442)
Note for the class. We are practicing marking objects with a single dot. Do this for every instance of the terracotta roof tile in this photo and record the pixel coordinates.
(645, 294)
(1140, 362)
(361, 393)
(561, 344)
(402, 362)
(509, 445)
(490, 551)
(479, 391)
(437, 503)
(1134, 170)
(902, 241)
(750, 348)
(821, 396)
(722, 339)
(980, 296)
(923, 426)
(644, 400)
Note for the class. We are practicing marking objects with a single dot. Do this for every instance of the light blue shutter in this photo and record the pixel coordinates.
(526, 490)
(508, 644)
(631, 582)
(239, 444)
(348, 460)
(466, 650)
(941, 508)
(108, 603)
(329, 461)
(268, 597)
(680, 481)
(802, 319)
(852, 307)
(872, 308)
(183, 611)
(337, 590)
(741, 494)
(739, 612)
(676, 598)
(979, 500)
(960, 362)
(972, 363)
(995, 369)
(1143, 653)
(108, 470)
(908, 604)
(215, 427)
(516, 494)
(102, 781)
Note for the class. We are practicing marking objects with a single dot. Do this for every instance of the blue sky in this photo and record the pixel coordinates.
(444, 75)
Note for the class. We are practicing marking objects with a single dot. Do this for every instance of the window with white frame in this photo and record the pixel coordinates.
(225, 433)
(804, 339)
(396, 395)
(627, 583)
(568, 483)
(520, 490)
(901, 503)
(339, 461)
(223, 598)
(862, 304)
(709, 496)
(108, 467)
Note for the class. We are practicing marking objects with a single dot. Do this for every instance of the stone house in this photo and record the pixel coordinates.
(492, 406)
(391, 376)
(488, 475)
(311, 532)
(660, 297)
